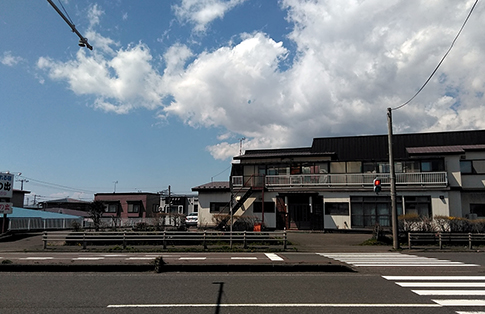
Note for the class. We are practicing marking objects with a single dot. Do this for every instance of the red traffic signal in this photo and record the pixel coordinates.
(377, 185)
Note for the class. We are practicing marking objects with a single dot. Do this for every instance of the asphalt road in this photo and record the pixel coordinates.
(214, 293)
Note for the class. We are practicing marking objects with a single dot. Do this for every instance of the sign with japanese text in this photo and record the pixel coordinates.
(6, 185)
(6, 208)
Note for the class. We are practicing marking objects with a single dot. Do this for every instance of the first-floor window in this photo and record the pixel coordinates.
(337, 209)
(367, 211)
(268, 207)
(219, 207)
(478, 209)
(419, 205)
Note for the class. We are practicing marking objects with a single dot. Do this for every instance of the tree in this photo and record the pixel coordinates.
(96, 210)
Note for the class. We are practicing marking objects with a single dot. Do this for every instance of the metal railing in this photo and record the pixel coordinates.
(165, 239)
(339, 180)
(39, 224)
(446, 238)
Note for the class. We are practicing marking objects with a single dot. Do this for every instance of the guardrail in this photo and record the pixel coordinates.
(439, 238)
(168, 238)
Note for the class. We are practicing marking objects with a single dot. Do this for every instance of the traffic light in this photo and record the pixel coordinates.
(377, 185)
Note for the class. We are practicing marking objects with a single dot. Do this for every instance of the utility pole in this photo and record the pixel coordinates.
(394, 222)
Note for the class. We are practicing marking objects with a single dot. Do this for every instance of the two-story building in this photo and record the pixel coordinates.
(129, 205)
(330, 184)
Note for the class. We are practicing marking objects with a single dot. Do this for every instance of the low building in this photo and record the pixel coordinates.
(66, 203)
(330, 184)
(129, 205)
(214, 198)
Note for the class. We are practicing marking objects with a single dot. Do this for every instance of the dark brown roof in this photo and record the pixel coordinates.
(218, 185)
(455, 149)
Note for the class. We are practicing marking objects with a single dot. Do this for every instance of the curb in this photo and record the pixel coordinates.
(174, 268)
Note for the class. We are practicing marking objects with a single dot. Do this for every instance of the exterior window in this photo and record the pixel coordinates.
(479, 166)
(466, 166)
(432, 165)
(219, 208)
(337, 209)
(410, 166)
(268, 207)
(112, 208)
(306, 169)
(478, 209)
(134, 207)
(337, 167)
(384, 167)
(296, 169)
(354, 167)
(366, 211)
(322, 168)
(420, 205)
(369, 167)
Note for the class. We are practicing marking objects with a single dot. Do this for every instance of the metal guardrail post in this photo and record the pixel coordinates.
(440, 240)
(285, 240)
(84, 240)
(245, 240)
(124, 240)
(44, 239)
(469, 241)
(204, 241)
(409, 240)
(164, 240)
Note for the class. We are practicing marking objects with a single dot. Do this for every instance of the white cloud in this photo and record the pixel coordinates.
(10, 60)
(203, 12)
(353, 61)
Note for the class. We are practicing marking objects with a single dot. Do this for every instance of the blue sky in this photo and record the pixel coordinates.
(172, 86)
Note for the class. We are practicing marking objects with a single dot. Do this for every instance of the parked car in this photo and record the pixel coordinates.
(192, 219)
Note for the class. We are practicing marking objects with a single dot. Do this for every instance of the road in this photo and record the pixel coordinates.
(391, 289)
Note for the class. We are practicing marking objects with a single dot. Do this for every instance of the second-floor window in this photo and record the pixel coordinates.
(134, 207)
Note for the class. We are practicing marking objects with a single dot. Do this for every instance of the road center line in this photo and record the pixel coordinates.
(268, 305)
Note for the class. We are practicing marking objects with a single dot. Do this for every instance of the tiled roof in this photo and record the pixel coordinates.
(218, 185)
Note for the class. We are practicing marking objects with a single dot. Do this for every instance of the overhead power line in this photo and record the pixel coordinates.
(83, 41)
(442, 59)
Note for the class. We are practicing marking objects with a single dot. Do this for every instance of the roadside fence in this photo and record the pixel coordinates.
(165, 239)
(445, 238)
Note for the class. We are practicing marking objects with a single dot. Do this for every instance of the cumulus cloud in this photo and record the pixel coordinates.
(202, 12)
(353, 60)
(9, 60)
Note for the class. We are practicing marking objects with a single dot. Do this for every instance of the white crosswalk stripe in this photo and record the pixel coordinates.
(391, 260)
(459, 289)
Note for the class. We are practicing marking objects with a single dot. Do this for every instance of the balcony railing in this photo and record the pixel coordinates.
(342, 180)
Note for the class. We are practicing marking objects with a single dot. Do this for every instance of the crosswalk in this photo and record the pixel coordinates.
(441, 288)
(391, 260)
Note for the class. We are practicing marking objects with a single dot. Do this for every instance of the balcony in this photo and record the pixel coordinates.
(426, 179)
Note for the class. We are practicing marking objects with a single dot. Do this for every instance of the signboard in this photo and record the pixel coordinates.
(6, 185)
(6, 208)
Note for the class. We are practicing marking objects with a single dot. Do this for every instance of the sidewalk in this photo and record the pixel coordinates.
(299, 242)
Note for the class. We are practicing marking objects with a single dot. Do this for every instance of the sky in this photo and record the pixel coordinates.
(172, 88)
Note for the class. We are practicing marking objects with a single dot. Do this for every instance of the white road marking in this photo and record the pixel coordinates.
(460, 302)
(274, 257)
(435, 278)
(264, 305)
(391, 260)
(243, 258)
(193, 258)
(442, 284)
(36, 258)
(87, 258)
(465, 312)
(139, 258)
(449, 292)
